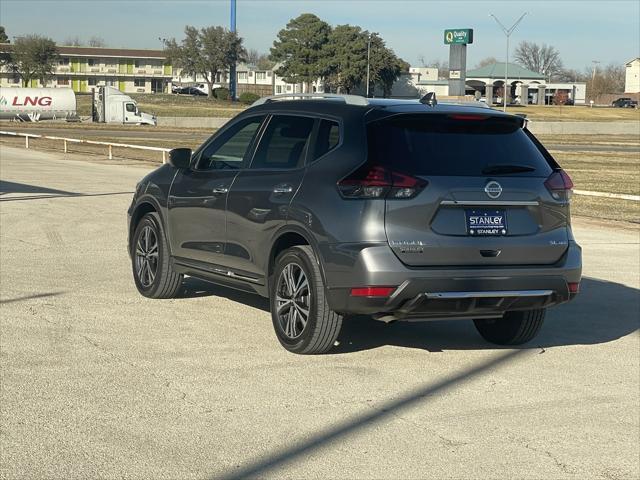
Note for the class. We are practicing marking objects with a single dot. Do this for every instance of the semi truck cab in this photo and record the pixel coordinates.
(113, 106)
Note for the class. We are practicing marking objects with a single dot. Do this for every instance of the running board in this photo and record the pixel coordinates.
(215, 269)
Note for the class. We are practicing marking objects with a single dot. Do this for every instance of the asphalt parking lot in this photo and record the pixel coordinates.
(97, 381)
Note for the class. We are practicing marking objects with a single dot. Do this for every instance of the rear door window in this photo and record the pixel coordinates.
(327, 138)
(457, 145)
(284, 142)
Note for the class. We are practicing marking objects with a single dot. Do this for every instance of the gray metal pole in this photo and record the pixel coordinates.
(506, 78)
(232, 69)
(507, 32)
(368, 58)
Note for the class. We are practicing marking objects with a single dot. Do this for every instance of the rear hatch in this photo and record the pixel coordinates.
(488, 192)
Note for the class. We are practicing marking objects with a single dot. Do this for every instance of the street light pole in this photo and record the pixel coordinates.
(232, 69)
(507, 32)
(595, 69)
(368, 66)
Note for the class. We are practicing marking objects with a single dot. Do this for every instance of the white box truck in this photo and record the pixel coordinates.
(110, 105)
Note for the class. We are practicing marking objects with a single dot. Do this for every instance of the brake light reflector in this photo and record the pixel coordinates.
(372, 291)
(559, 185)
(574, 287)
(376, 181)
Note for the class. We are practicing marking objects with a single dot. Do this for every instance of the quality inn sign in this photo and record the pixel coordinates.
(459, 36)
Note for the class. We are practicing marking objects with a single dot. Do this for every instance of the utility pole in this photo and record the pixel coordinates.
(507, 32)
(232, 69)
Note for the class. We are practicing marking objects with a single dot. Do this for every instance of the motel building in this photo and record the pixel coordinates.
(524, 86)
(143, 71)
(84, 68)
(250, 79)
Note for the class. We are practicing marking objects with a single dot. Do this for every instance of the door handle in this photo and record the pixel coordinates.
(283, 188)
(220, 190)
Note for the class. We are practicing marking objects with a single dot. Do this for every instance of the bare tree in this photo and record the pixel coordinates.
(441, 65)
(570, 75)
(73, 41)
(543, 58)
(259, 60)
(253, 56)
(96, 42)
(486, 61)
(609, 79)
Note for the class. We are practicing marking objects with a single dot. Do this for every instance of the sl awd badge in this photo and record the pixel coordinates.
(493, 189)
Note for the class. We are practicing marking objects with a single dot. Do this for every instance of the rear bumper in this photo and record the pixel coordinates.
(439, 293)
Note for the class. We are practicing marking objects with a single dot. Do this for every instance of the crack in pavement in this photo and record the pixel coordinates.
(165, 382)
(444, 440)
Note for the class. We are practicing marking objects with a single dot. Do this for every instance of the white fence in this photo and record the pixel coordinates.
(27, 136)
(66, 141)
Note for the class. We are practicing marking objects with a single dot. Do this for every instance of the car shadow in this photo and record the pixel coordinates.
(603, 312)
(36, 192)
(194, 287)
(14, 187)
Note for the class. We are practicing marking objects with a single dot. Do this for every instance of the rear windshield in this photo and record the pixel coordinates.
(470, 145)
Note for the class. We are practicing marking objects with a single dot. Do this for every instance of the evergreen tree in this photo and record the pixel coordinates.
(345, 60)
(300, 48)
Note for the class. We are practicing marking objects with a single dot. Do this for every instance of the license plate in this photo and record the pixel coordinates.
(486, 222)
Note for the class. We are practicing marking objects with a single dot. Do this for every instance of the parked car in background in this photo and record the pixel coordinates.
(333, 206)
(625, 102)
(190, 91)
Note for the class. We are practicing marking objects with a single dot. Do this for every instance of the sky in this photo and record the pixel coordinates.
(582, 30)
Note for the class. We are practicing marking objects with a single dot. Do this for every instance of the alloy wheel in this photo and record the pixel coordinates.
(147, 256)
(293, 300)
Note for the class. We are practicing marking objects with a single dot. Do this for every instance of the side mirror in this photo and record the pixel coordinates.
(180, 157)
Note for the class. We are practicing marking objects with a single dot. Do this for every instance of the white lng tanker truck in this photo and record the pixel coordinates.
(33, 104)
(110, 105)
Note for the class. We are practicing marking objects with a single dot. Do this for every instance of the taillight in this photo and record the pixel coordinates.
(559, 185)
(376, 181)
(573, 287)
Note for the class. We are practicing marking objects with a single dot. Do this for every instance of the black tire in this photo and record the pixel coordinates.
(319, 333)
(515, 328)
(158, 280)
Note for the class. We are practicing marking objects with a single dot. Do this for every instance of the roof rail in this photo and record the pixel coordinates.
(348, 99)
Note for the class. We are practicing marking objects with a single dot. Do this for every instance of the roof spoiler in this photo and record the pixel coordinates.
(523, 116)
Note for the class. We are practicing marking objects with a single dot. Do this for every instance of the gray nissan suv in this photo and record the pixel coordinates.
(337, 205)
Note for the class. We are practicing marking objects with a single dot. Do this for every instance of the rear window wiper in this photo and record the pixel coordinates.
(505, 168)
